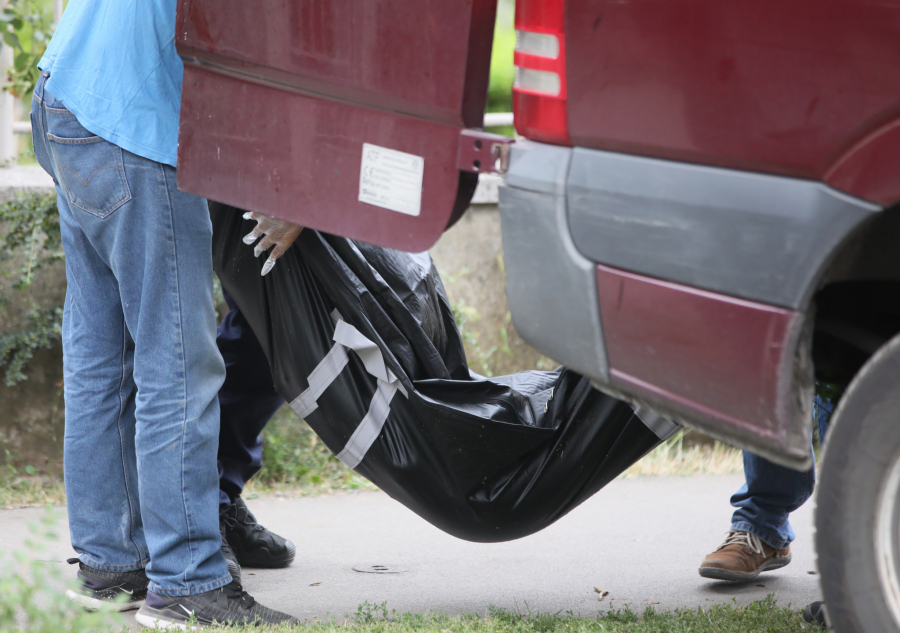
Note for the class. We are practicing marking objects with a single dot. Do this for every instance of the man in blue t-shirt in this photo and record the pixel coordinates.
(141, 368)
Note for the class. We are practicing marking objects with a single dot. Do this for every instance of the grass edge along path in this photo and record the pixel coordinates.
(32, 599)
(297, 464)
(763, 616)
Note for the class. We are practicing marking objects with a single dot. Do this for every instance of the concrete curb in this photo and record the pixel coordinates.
(23, 179)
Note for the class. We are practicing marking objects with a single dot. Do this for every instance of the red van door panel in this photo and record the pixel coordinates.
(341, 115)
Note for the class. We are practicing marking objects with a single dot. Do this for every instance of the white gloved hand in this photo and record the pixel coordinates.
(276, 233)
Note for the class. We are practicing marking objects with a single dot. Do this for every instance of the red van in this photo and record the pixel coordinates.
(702, 215)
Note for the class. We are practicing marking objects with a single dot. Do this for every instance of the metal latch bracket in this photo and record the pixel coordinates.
(481, 152)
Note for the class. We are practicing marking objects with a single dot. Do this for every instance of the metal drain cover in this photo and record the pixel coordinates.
(379, 568)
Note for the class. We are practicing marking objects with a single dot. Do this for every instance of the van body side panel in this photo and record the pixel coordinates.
(757, 236)
(770, 86)
(713, 359)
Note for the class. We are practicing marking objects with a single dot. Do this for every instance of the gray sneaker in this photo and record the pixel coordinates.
(229, 605)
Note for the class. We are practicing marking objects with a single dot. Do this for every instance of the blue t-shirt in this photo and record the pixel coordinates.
(113, 65)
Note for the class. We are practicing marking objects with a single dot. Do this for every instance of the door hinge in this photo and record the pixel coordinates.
(481, 152)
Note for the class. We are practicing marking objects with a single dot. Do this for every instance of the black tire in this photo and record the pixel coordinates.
(858, 510)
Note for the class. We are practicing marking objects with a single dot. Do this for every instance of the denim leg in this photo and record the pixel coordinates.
(247, 401)
(822, 409)
(142, 368)
(100, 461)
(771, 492)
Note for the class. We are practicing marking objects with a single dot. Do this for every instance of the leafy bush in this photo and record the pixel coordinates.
(32, 234)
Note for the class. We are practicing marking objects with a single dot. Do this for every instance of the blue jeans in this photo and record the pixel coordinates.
(771, 492)
(247, 401)
(141, 366)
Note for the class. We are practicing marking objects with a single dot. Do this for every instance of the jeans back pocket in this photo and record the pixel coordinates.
(89, 169)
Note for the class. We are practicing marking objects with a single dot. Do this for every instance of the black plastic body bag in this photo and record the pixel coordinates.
(362, 342)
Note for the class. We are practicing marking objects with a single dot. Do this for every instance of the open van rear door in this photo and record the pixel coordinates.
(346, 116)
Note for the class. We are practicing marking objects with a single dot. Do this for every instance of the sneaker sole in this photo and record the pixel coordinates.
(715, 573)
(95, 604)
(150, 621)
(150, 618)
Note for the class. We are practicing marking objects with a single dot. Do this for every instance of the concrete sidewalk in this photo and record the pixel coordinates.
(640, 539)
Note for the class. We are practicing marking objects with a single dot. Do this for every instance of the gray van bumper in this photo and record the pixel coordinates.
(550, 286)
(741, 236)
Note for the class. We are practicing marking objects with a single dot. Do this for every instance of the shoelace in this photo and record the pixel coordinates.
(234, 591)
(241, 515)
(751, 541)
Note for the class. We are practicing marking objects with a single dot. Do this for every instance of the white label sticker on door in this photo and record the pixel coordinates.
(391, 179)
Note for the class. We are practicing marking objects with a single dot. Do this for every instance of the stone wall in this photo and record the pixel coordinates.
(469, 258)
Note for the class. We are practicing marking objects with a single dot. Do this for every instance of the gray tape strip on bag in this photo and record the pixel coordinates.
(367, 350)
(348, 337)
(370, 427)
(663, 427)
(322, 376)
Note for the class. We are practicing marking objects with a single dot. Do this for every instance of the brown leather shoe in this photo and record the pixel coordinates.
(742, 557)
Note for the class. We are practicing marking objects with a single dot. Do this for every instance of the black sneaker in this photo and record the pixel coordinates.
(229, 605)
(119, 591)
(815, 613)
(233, 567)
(253, 545)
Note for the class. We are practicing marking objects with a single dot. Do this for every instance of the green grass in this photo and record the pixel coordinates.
(764, 616)
(41, 490)
(502, 70)
(296, 462)
(25, 486)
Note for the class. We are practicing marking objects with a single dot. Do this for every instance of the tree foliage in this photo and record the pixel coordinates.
(28, 27)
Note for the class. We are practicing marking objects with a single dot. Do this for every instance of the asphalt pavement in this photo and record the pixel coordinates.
(640, 539)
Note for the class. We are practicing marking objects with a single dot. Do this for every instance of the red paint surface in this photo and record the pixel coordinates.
(871, 170)
(280, 97)
(705, 355)
(786, 87)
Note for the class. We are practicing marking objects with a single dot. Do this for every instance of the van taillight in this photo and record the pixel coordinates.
(539, 90)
